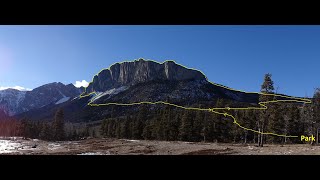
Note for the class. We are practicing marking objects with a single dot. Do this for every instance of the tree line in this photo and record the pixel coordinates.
(172, 123)
(50, 131)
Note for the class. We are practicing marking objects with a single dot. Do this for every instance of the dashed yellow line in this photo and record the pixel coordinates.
(262, 104)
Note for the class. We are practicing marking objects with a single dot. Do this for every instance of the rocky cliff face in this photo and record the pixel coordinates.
(140, 71)
(13, 101)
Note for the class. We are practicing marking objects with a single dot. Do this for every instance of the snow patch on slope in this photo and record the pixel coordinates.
(109, 92)
(64, 99)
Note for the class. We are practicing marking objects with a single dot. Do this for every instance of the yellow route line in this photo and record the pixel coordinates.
(262, 104)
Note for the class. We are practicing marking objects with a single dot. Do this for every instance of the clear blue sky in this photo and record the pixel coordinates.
(235, 56)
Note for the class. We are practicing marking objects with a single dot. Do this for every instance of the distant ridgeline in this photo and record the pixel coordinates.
(113, 100)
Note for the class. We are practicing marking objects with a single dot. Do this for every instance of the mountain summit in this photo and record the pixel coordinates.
(140, 71)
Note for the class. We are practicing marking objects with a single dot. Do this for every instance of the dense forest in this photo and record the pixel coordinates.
(55, 130)
(171, 123)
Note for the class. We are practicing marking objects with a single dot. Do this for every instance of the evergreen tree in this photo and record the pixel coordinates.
(103, 128)
(205, 131)
(110, 128)
(266, 88)
(316, 114)
(25, 128)
(197, 126)
(157, 131)
(174, 128)
(58, 126)
(307, 119)
(147, 130)
(276, 122)
(295, 123)
(86, 131)
(236, 132)
(166, 123)
(117, 129)
(46, 133)
(185, 130)
(138, 124)
(252, 119)
(75, 135)
(125, 128)
(221, 124)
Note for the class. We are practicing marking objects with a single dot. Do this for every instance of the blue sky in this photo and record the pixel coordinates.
(235, 56)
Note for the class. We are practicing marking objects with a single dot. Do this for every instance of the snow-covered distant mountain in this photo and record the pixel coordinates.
(10, 100)
(13, 101)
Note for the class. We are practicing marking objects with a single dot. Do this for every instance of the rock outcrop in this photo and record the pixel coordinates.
(140, 71)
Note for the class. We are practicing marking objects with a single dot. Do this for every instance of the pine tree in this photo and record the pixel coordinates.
(252, 117)
(103, 128)
(205, 131)
(295, 123)
(174, 128)
(239, 133)
(45, 133)
(185, 130)
(147, 130)
(125, 128)
(276, 122)
(266, 88)
(247, 123)
(211, 128)
(160, 125)
(221, 124)
(75, 135)
(157, 130)
(111, 128)
(168, 124)
(25, 130)
(197, 126)
(138, 124)
(87, 131)
(58, 126)
(307, 119)
(117, 129)
(267, 85)
(316, 114)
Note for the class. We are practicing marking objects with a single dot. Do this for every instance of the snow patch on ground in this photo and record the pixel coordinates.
(64, 99)
(8, 146)
(54, 146)
(95, 153)
(132, 140)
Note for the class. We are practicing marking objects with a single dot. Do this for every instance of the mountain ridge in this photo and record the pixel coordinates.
(134, 81)
(13, 101)
(169, 82)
